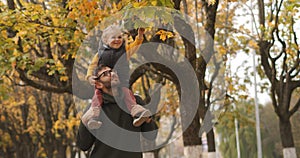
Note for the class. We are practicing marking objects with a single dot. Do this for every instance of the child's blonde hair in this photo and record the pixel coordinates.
(110, 31)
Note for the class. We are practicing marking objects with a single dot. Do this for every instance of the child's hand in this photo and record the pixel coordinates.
(141, 32)
(91, 80)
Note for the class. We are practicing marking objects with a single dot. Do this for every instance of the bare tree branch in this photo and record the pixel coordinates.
(177, 4)
(295, 108)
(274, 100)
(297, 61)
(261, 11)
(214, 76)
(23, 77)
(19, 4)
(11, 4)
(253, 17)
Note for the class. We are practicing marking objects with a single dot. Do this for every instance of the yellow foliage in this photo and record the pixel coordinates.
(140, 4)
(271, 24)
(58, 125)
(154, 3)
(211, 2)
(222, 50)
(6, 139)
(3, 33)
(164, 34)
(88, 13)
(253, 44)
(63, 78)
(2, 118)
(231, 88)
(73, 122)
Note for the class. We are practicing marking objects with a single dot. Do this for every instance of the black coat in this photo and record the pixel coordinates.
(110, 57)
(86, 139)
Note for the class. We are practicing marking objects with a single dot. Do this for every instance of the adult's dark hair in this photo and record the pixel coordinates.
(99, 68)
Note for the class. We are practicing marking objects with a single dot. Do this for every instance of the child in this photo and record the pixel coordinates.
(109, 53)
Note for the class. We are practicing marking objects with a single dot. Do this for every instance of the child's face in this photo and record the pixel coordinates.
(115, 40)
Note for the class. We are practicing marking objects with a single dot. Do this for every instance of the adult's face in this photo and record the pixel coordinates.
(107, 79)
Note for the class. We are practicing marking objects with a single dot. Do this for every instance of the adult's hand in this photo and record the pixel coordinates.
(91, 80)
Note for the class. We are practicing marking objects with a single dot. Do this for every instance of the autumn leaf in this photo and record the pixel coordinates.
(211, 2)
(253, 44)
(63, 78)
(164, 34)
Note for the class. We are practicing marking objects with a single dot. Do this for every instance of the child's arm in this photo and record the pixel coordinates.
(134, 46)
(91, 68)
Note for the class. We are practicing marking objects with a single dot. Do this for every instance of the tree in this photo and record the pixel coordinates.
(37, 124)
(280, 60)
(161, 39)
(191, 136)
(244, 113)
(40, 41)
(39, 44)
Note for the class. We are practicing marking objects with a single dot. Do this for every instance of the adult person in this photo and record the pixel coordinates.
(116, 138)
(112, 50)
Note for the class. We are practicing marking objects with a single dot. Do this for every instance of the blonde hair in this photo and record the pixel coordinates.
(110, 31)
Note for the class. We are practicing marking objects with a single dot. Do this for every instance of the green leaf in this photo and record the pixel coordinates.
(51, 72)
(139, 23)
(35, 17)
(149, 12)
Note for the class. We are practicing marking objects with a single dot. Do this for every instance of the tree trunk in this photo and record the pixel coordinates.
(61, 151)
(192, 142)
(191, 139)
(11, 4)
(211, 141)
(190, 135)
(211, 155)
(287, 140)
(194, 151)
(150, 155)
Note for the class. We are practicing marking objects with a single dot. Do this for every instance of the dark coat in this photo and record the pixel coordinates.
(110, 57)
(86, 139)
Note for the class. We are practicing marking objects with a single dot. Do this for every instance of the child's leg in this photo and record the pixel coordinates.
(129, 98)
(139, 113)
(96, 103)
(97, 99)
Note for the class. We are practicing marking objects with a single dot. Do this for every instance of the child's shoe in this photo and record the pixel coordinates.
(140, 115)
(94, 124)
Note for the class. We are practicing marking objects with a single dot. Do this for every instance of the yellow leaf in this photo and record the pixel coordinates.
(159, 32)
(271, 24)
(136, 4)
(4, 34)
(154, 3)
(144, 3)
(253, 44)
(222, 50)
(3, 119)
(114, 5)
(73, 55)
(170, 34)
(163, 37)
(230, 88)
(119, 6)
(211, 2)
(164, 34)
(63, 78)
